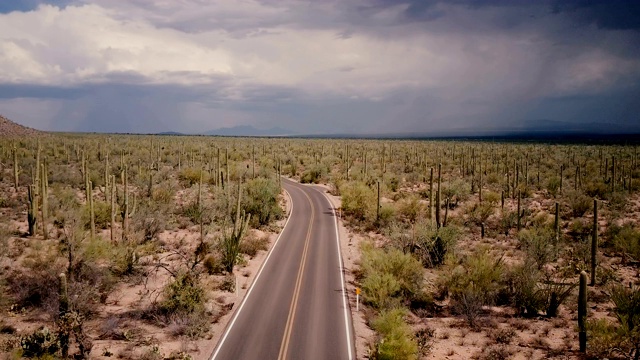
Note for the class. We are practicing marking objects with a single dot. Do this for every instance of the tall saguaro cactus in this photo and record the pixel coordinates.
(44, 192)
(438, 194)
(16, 170)
(594, 243)
(582, 312)
(32, 209)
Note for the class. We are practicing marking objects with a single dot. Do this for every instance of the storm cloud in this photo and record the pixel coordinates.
(362, 66)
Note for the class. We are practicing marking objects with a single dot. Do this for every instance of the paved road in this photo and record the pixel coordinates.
(296, 308)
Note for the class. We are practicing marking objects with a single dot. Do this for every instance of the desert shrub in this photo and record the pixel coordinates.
(102, 215)
(387, 215)
(358, 201)
(622, 339)
(261, 201)
(389, 276)
(491, 197)
(625, 239)
(312, 174)
(538, 244)
(433, 244)
(162, 194)
(473, 283)
(42, 343)
(150, 220)
(480, 212)
(596, 189)
(193, 211)
(213, 264)
(494, 352)
(89, 286)
(553, 185)
(124, 259)
(424, 340)
(503, 336)
(396, 340)
(532, 291)
(617, 201)
(393, 183)
(252, 244)
(34, 288)
(525, 294)
(507, 221)
(381, 290)
(191, 176)
(183, 295)
(410, 208)
(579, 203)
(456, 190)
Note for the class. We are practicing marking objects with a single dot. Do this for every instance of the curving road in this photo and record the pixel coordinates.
(296, 308)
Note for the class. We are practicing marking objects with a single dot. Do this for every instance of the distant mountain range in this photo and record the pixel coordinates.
(534, 129)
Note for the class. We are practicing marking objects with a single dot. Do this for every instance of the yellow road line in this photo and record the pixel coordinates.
(296, 292)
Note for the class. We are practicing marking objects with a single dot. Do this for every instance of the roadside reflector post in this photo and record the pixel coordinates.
(357, 299)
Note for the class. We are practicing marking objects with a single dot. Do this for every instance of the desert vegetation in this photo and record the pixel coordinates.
(476, 249)
(127, 246)
(469, 249)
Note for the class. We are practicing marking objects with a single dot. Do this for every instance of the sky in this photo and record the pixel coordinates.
(321, 66)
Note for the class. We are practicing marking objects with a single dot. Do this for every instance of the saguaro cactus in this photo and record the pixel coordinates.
(63, 309)
(92, 212)
(16, 170)
(582, 312)
(438, 223)
(556, 223)
(431, 194)
(44, 191)
(32, 209)
(594, 243)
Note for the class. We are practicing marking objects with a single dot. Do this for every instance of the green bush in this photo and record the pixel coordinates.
(410, 208)
(553, 185)
(625, 239)
(579, 203)
(390, 276)
(473, 283)
(358, 201)
(538, 245)
(191, 176)
(261, 201)
(387, 215)
(480, 212)
(183, 295)
(101, 212)
(396, 341)
(456, 190)
(433, 244)
(312, 174)
(620, 340)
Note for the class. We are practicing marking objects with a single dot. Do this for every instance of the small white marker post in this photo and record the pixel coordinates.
(357, 299)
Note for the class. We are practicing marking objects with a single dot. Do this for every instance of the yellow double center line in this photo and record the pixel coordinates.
(296, 292)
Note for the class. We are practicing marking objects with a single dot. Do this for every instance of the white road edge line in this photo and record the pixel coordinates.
(344, 292)
(246, 296)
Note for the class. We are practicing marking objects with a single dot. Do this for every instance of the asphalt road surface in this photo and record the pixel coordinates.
(296, 307)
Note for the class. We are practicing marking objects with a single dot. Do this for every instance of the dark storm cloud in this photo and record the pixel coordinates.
(606, 14)
(487, 64)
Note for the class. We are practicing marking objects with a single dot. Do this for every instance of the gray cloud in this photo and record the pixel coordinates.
(319, 67)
